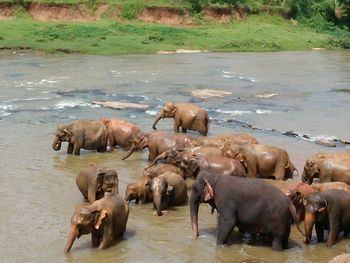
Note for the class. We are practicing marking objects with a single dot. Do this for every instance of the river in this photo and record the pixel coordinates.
(272, 93)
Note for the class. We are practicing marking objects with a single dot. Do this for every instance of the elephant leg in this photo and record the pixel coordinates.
(70, 148)
(95, 240)
(319, 232)
(279, 172)
(285, 240)
(333, 232)
(277, 244)
(184, 130)
(226, 224)
(76, 150)
(102, 149)
(107, 238)
(176, 127)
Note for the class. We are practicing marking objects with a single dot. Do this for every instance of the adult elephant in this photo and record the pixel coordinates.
(105, 219)
(328, 168)
(158, 142)
(265, 161)
(139, 191)
(158, 169)
(93, 182)
(222, 165)
(82, 134)
(188, 116)
(327, 210)
(120, 132)
(255, 207)
(168, 189)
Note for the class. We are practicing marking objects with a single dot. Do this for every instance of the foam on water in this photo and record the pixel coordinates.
(71, 104)
(234, 112)
(267, 112)
(151, 112)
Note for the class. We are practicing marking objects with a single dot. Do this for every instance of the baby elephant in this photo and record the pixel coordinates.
(139, 191)
(168, 189)
(93, 182)
(327, 210)
(105, 219)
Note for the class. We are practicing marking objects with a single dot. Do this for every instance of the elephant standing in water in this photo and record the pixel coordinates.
(327, 210)
(93, 182)
(105, 219)
(188, 116)
(253, 205)
(120, 132)
(83, 134)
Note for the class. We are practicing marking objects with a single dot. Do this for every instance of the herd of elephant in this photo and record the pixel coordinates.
(228, 172)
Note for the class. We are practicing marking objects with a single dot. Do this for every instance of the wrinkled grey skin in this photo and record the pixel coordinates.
(105, 219)
(82, 134)
(93, 182)
(168, 189)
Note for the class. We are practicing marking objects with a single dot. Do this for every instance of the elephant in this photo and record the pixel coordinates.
(82, 134)
(219, 141)
(120, 132)
(343, 258)
(168, 189)
(158, 142)
(105, 219)
(158, 169)
(200, 151)
(188, 116)
(264, 160)
(253, 205)
(226, 166)
(297, 193)
(327, 210)
(139, 191)
(93, 182)
(327, 168)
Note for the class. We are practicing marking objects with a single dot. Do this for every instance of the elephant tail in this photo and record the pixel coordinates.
(207, 123)
(293, 212)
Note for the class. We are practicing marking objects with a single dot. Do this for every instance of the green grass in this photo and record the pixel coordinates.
(107, 37)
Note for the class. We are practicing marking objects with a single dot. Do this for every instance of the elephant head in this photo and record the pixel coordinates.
(311, 171)
(235, 151)
(162, 193)
(62, 135)
(86, 220)
(168, 111)
(137, 191)
(189, 163)
(108, 181)
(139, 142)
(315, 206)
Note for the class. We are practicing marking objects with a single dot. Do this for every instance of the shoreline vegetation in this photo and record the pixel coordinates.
(163, 26)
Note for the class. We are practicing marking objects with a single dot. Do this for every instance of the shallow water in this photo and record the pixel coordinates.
(37, 185)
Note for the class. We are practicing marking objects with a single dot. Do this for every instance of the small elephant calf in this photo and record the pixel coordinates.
(93, 182)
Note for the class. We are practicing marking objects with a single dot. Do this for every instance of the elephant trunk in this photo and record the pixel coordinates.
(56, 144)
(130, 152)
(157, 202)
(194, 207)
(309, 222)
(159, 116)
(73, 234)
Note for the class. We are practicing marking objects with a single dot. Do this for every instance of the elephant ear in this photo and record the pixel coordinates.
(193, 165)
(208, 191)
(102, 215)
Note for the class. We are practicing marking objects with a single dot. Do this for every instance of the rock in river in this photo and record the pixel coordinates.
(121, 105)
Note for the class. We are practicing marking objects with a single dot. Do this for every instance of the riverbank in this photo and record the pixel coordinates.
(103, 30)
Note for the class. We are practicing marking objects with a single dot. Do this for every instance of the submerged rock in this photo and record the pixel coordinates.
(265, 96)
(121, 105)
(208, 93)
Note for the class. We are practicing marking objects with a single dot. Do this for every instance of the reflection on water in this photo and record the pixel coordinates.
(38, 191)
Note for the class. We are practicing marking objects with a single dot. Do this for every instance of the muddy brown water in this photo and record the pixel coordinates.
(37, 185)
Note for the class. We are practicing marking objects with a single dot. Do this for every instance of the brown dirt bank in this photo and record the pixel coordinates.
(81, 13)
